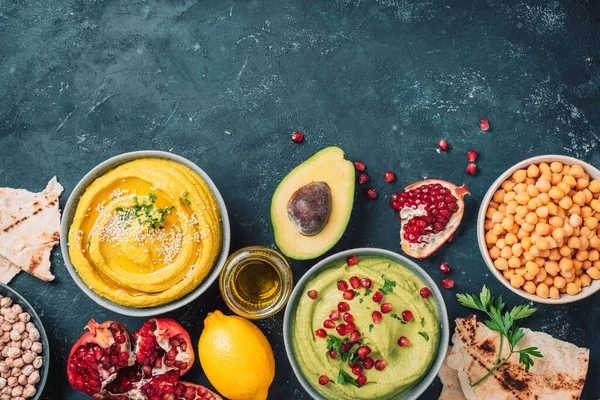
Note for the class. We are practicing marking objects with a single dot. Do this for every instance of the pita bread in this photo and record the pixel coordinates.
(449, 377)
(560, 374)
(29, 229)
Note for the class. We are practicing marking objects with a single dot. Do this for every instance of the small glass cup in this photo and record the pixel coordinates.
(251, 268)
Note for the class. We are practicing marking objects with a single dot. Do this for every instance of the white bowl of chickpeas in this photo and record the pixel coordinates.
(538, 229)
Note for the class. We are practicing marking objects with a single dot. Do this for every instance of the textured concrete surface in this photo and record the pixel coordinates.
(223, 83)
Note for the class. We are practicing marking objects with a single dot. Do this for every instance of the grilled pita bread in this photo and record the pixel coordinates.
(560, 374)
(29, 229)
(449, 377)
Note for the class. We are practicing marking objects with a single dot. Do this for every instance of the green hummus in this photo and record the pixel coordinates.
(405, 365)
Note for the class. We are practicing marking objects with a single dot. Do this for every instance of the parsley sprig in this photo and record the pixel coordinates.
(145, 213)
(503, 322)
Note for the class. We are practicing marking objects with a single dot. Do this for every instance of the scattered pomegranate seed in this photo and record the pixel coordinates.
(447, 283)
(368, 363)
(471, 169)
(445, 268)
(352, 260)
(407, 315)
(484, 124)
(349, 294)
(321, 333)
(361, 380)
(386, 308)
(377, 316)
(342, 285)
(371, 193)
(471, 156)
(334, 315)
(377, 297)
(363, 178)
(403, 342)
(328, 324)
(343, 306)
(357, 370)
(363, 352)
(350, 327)
(359, 165)
(333, 354)
(443, 145)
(341, 329)
(323, 380)
(396, 205)
(366, 283)
(297, 137)
(355, 282)
(354, 336)
(348, 317)
(313, 294)
(380, 365)
(425, 292)
(389, 176)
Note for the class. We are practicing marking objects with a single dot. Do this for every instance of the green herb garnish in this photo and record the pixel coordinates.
(344, 377)
(425, 336)
(368, 292)
(388, 285)
(187, 201)
(422, 321)
(89, 244)
(360, 300)
(503, 323)
(144, 213)
(152, 197)
(395, 316)
(371, 327)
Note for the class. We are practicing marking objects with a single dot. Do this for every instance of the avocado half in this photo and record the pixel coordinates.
(329, 166)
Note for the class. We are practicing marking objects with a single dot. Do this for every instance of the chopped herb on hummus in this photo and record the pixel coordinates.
(395, 316)
(422, 321)
(388, 285)
(344, 377)
(187, 201)
(425, 336)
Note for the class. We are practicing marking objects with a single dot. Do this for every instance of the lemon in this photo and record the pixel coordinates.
(236, 357)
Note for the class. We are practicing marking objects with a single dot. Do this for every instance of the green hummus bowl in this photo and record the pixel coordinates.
(375, 307)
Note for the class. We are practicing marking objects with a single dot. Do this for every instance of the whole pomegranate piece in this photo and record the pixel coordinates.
(190, 391)
(97, 356)
(430, 213)
(297, 137)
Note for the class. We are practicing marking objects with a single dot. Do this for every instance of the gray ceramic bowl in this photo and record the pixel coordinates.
(290, 311)
(18, 299)
(564, 298)
(69, 212)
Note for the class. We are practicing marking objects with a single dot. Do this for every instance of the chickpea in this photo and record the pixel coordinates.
(573, 289)
(508, 185)
(555, 193)
(491, 238)
(582, 183)
(568, 275)
(510, 239)
(508, 273)
(542, 211)
(585, 280)
(565, 203)
(522, 198)
(516, 281)
(569, 230)
(579, 199)
(554, 293)
(511, 207)
(581, 255)
(521, 234)
(542, 243)
(569, 180)
(533, 171)
(509, 196)
(508, 223)
(559, 282)
(574, 243)
(554, 255)
(517, 249)
(595, 242)
(543, 185)
(501, 264)
(532, 191)
(586, 212)
(532, 268)
(552, 208)
(556, 167)
(544, 198)
(519, 175)
(594, 186)
(593, 255)
(531, 218)
(555, 179)
(542, 290)
(566, 189)
(514, 262)
(556, 222)
(585, 243)
(591, 222)
(543, 229)
(543, 166)
(593, 272)
(529, 287)
(527, 227)
(520, 187)
(499, 195)
(576, 171)
(488, 224)
(494, 252)
(526, 243)
(565, 264)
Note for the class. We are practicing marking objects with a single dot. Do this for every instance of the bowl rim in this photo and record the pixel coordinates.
(110, 164)
(431, 374)
(564, 299)
(18, 298)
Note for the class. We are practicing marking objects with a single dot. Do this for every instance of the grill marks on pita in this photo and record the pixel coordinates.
(29, 229)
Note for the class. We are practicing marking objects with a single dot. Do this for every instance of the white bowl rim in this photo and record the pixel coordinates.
(108, 165)
(564, 299)
(431, 374)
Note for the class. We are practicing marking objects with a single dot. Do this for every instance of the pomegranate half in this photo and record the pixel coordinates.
(430, 212)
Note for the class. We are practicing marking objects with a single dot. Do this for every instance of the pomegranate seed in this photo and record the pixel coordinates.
(443, 145)
(361, 380)
(357, 370)
(297, 137)
(386, 308)
(471, 169)
(363, 352)
(343, 306)
(395, 197)
(380, 365)
(407, 315)
(355, 282)
(352, 260)
(396, 205)
(348, 317)
(445, 268)
(328, 324)
(359, 165)
(313, 294)
(355, 336)
(342, 285)
(447, 283)
(371, 193)
(484, 124)
(389, 176)
(350, 327)
(368, 363)
(425, 292)
(341, 329)
(377, 297)
(334, 315)
(403, 342)
(377, 316)
(363, 178)
(471, 156)
(323, 380)
(349, 294)
(333, 354)
(366, 283)
(321, 333)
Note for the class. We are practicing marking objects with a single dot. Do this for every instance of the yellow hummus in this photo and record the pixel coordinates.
(145, 233)
(405, 365)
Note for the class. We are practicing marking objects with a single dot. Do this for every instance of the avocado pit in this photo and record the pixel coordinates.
(309, 208)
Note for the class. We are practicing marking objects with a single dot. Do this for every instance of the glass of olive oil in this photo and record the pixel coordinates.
(256, 282)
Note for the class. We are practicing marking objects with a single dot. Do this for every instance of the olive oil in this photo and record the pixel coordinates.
(256, 284)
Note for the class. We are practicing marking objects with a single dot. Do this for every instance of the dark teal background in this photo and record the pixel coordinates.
(223, 83)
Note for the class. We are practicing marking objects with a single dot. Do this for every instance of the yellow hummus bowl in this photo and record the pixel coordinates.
(394, 355)
(148, 232)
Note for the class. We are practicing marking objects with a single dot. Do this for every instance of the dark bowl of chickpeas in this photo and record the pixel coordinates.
(539, 232)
